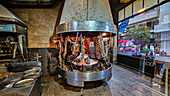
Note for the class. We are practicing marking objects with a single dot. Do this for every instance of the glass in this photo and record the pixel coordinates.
(146, 37)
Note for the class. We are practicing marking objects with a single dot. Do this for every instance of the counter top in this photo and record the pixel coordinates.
(162, 58)
(24, 91)
(15, 75)
(131, 55)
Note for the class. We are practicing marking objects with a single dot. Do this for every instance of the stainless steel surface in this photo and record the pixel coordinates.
(78, 78)
(17, 84)
(32, 75)
(35, 69)
(86, 16)
(23, 83)
(6, 15)
(86, 10)
(90, 26)
(90, 18)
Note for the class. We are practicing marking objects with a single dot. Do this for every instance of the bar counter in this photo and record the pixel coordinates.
(167, 60)
(131, 61)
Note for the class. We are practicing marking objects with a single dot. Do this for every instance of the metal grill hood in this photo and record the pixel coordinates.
(86, 15)
(6, 15)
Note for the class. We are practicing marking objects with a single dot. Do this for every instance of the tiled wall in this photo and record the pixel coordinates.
(40, 24)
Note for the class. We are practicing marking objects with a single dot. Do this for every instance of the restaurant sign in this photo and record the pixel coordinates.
(6, 28)
(149, 67)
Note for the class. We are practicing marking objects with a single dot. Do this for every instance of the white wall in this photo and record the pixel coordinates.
(164, 25)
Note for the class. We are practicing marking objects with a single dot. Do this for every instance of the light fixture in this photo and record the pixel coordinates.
(141, 10)
(104, 34)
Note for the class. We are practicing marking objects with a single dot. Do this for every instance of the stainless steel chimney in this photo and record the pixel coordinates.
(86, 15)
(6, 15)
(89, 18)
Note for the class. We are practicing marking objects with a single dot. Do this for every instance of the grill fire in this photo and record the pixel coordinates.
(85, 34)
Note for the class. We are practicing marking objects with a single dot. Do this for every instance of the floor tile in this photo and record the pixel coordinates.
(124, 82)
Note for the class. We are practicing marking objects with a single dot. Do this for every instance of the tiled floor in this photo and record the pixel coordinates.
(124, 82)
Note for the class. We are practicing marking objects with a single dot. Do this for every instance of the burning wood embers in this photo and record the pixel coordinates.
(76, 55)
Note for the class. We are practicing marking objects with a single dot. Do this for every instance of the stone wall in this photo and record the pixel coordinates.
(45, 55)
(40, 24)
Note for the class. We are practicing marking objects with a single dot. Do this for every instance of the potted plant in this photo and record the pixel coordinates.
(139, 34)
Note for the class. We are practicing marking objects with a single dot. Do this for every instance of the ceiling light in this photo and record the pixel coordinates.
(104, 34)
(141, 10)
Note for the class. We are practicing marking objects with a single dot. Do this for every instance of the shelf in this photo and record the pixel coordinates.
(10, 42)
(5, 55)
(5, 60)
(9, 33)
(8, 60)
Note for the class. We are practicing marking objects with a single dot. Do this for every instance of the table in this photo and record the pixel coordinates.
(167, 60)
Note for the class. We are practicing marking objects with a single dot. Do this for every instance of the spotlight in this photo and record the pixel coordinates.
(104, 34)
